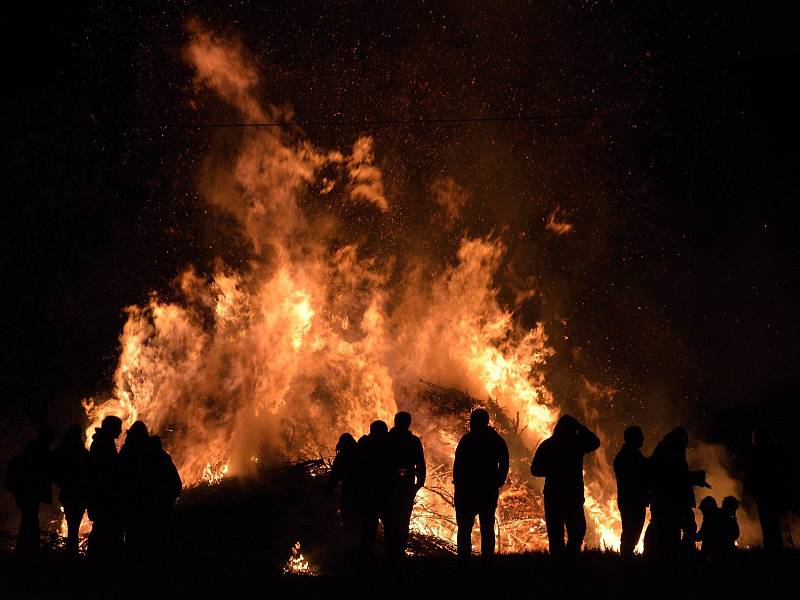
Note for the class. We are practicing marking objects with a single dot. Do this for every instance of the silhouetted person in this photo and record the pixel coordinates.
(688, 522)
(730, 524)
(630, 468)
(134, 517)
(559, 459)
(766, 481)
(72, 477)
(344, 473)
(671, 497)
(480, 469)
(160, 487)
(105, 492)
(374, 482)
(711, 533)
(407, 461)
(28, 478)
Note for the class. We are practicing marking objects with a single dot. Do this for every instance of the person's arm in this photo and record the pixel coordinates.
(587, 440)
(502, 461)
(421, 468)
(540, 466)
(177, 484)
(698, 479)
(336, 475)
(458, 463)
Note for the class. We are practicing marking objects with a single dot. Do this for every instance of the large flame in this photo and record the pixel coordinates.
(316, 337)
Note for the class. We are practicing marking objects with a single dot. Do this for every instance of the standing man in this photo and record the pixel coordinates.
(71, 468)
(373, 481)
(559, 459)
(29, 479)
(479, 471)
(105, 492)
(630, 468)
(408, 476)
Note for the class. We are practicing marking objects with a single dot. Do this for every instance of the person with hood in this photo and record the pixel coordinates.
(105, 492)
(711, 533)
(630, 468)
(160, 487)
(480, 469)
(134, 519)
(559, 459)
(408, 473)
(373, 484)
(344, 473)
(29, 478)
(72, 477)
(671, 497)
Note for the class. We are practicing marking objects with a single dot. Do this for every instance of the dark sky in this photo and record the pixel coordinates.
(679, 281)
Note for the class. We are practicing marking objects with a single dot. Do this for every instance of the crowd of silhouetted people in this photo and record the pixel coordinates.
(382, 472)
(129, 495)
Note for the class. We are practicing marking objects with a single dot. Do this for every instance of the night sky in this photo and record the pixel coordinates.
(675, 158)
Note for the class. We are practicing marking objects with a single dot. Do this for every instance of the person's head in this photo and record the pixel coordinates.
(634, 436)
(45, 435)
(378, 428)
(730, 505)
(346, 442)
(152, 444)
(565, 427)
(402, 420)
(112, 425)
(479, 419)
(74, 436)
(137, 433)
(707, 505)
(681, 435)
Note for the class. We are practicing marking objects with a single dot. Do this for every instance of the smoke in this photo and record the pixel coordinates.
(365, 178)
(311, 339)
(451, 197)
(717, 463)
(557, 225)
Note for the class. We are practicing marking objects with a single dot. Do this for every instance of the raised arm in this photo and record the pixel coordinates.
(502, 461)
(587, 440)
(540, 465)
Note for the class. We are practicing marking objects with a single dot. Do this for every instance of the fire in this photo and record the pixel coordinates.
(320, 334)
(297, 563)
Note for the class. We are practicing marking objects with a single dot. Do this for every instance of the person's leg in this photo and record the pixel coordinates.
(28, 536)
(487, 521)
(770, 519)
(368, 531)
(576, 529)
(465, 520)
(405, 518)
(637, 525)
(73, 514)
(391, 529)
(688, 534)
(554, 520)
(632, 525)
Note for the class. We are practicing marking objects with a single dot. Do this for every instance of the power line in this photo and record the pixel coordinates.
(424, 121)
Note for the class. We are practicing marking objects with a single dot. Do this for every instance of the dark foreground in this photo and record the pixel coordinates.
(595, 575)
(235, 539)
